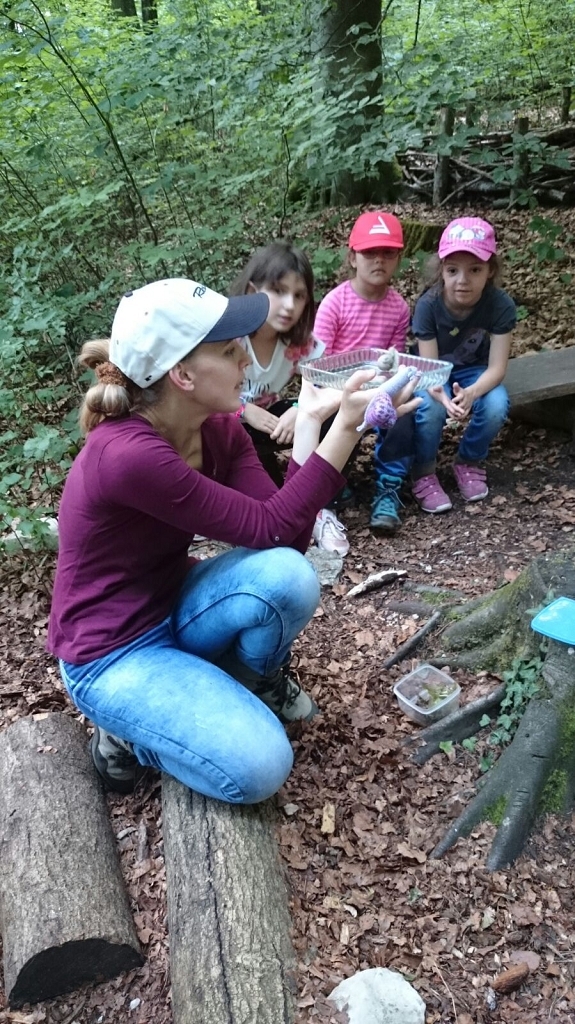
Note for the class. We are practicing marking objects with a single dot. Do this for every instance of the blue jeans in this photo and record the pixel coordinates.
(166, 694)
(394, 448)
(488, 415)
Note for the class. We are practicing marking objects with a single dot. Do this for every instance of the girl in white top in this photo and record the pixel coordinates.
(284, 274)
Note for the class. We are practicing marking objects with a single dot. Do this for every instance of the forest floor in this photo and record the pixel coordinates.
(358, 820)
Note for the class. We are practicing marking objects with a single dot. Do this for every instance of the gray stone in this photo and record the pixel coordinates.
(379, 996)
(327, 564)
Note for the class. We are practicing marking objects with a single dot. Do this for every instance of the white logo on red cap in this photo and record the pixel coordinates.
(379, 229)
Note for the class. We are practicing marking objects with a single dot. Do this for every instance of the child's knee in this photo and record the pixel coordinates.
(431, 413)
(496, 406)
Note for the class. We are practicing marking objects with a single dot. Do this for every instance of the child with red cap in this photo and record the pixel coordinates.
(464, 318)
(366, 312)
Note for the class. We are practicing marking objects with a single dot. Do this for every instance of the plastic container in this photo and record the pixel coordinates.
(427, 694)
(557, 620)
(333, 371)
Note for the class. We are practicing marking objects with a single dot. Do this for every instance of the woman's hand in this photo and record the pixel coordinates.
(284, 430)
(318, 403)
(354, 401)
(260, 419)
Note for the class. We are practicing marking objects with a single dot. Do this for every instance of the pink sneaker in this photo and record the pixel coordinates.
(429, 494)
(471, 480)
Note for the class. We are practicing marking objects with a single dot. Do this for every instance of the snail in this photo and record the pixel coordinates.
(380, 411)
(388, 360)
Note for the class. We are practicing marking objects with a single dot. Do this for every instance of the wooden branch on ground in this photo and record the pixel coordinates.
(405, 649)
(64, 910)
(456, 727)
(231, 957)
(376, 580)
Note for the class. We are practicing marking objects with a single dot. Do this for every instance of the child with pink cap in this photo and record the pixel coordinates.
(366, 312)
(464, 318)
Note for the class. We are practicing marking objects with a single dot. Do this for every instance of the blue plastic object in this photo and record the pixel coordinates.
(557, 620)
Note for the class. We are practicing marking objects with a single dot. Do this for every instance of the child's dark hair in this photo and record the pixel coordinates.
(432, 273)
(266, 267)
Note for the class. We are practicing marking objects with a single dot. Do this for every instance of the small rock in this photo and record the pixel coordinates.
(135, 1003)
(327, 564)
(379, 996)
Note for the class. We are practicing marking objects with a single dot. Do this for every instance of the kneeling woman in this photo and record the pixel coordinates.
(182, 666)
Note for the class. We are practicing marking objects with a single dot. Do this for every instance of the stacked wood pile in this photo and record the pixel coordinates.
(474, 173)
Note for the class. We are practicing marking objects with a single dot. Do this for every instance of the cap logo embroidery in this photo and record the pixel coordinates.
(200, 291)
(380, 229)
(459, 233)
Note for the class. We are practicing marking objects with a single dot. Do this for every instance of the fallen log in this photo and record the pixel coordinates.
(64, 910)
(231, 957)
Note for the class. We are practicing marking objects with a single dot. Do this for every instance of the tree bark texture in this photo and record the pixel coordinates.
(442, 175)
(536, 772)
(345, 49)
(231, 957)
(65, 914)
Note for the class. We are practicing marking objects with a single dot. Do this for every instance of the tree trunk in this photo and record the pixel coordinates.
(65, 914)
(565, 104)
(149, 13)
(231, 957)
(358, 52)
(520, 160)
(442, 175)
(127, 8)
(536, 772)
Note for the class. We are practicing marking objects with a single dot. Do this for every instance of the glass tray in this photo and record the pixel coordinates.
(333, 371)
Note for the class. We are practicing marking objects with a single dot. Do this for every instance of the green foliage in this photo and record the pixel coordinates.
(128, 155)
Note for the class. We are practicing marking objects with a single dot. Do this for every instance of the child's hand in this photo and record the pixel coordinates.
(319, 403)
(260, 419)
(463, 399)
(440, 395)
(284, 430)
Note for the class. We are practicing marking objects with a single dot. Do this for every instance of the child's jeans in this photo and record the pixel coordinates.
(486, 419)
(394, 449)
(165, 694)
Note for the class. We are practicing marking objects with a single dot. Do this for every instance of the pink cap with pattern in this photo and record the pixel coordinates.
(468, 234)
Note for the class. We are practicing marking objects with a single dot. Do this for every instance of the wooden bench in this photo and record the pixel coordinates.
(542, 388)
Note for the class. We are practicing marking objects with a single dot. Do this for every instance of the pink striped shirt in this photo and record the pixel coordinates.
(345, 321)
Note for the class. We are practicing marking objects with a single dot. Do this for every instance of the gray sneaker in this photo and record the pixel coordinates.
(115, 761)
(284, 696)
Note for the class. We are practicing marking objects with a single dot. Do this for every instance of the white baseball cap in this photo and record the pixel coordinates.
(159, 324)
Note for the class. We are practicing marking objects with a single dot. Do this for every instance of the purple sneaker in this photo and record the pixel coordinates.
(429, 494)
(471, 480)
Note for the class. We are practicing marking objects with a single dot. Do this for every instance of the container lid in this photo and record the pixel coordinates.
(557, 620)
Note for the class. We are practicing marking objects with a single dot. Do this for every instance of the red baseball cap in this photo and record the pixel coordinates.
(376, 230)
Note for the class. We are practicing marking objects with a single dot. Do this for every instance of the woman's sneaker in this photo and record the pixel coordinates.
(329, 533)
(471, 480)
(283, 694)
(429, 494)
(115, 761)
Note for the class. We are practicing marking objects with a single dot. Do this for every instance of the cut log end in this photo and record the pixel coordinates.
(63, 968)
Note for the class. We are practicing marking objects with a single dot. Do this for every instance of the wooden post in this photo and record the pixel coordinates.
(565, 104)
(65, 914)
(520, 160)
(231, 957)
(442, 176)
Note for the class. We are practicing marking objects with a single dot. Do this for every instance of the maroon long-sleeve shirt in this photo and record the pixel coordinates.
(130, 508)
